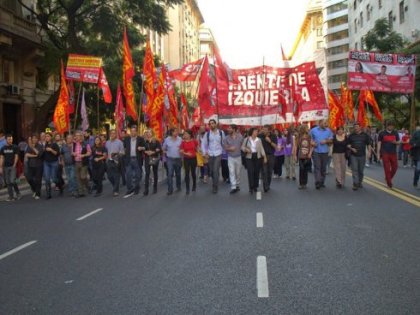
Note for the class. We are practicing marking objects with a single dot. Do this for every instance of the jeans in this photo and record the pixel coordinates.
(235, 165)
(133, 175)
(50, 172)
(390, 163)
(214, 167)
(357, 168)
(416, 172)
(190, 165)
(320, 161)
(253, 167)
(34, 177)
(225, 169)
(267, 171)
(10, 178)
(71, 177)
(174, 166)
(114, 174)
(304, 168)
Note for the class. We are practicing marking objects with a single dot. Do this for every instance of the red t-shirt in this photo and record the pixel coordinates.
(189, 147)
(406, 146)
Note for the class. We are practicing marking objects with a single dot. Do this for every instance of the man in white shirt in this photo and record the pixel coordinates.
(212, 148)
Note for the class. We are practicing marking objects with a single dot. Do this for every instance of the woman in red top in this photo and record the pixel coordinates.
(188, 149)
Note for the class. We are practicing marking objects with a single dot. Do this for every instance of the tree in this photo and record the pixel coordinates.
(383, 39)
(94, 27)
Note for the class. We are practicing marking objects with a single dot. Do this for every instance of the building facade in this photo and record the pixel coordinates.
(309, 44)
(21, 51)
(402, 16)
(206, 41)
(336, 38)
(183, 43)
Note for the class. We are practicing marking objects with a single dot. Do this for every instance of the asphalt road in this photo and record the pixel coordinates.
(327, 252)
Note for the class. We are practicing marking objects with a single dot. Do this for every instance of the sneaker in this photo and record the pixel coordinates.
(233, 191)
(33, 195)
(10, 199)
(129, 194)
(37, 197)
(355, 187)
(18, 196)
(115, 194)
(367, 165)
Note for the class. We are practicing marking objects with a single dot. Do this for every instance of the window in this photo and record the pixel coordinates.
(319, 44)
(380, 4)
(337, 36)
(338, 50)
(337, 7)
(7, 72)
(361, 19)
(390, 20)
(319, 31)
(402, 15)
(355, 26)
(368, 8)
(354, 5)
(337, 64)
(356, 47)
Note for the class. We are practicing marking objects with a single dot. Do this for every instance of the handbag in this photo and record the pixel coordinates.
(154, 161)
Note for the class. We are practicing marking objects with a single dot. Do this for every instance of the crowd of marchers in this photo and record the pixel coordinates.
(79, 162)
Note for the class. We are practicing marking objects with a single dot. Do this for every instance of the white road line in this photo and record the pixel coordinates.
(262, 277)
(89, 214)
(258, 195)
(15, 250)
(260, 220)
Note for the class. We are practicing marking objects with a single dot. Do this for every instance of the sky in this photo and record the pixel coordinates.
(247, 31)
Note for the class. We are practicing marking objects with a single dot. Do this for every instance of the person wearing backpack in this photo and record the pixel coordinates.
(212, 147)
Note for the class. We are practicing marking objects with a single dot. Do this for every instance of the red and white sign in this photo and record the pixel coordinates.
(188, 72)
(393, 73)
(258, 96)
(83, 68)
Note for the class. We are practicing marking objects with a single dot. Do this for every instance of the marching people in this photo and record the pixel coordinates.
(60, 180)
(415, 155)
(269, 142)
(388, 140)
(289, 157)
(232, 145)
(99, 157)
(67, 161)
(303, 151)
(9, 156)
(171, 148)
(212, 148)
(188, 149)
(115, 148)
(358, 141)
(151, 160)
(81, 153)
(204, 169)
(406, 147)
(255, 157)
(279, 154)
(51, 155)
(322, 136)
(33, 155)
(339, 149)
(134, 149)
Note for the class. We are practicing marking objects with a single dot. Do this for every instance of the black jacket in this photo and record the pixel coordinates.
(127, 146)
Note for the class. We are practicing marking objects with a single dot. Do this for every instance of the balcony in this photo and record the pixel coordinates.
(14, 25)
(336, 43)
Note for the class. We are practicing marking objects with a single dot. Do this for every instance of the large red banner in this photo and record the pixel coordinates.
(188, 72)
(83, 68)
(266, 95)
(393, 73)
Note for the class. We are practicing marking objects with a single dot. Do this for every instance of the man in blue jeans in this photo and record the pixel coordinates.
(323, 137)
(67, 160)
(173, 159)
(134, 146)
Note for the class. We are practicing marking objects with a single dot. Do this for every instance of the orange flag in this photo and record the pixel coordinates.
(61, 113)
(149, 72)
(336, 111)
(350, 105)
(156, 109)
(370, 99)
(362, 117)
(128, 74)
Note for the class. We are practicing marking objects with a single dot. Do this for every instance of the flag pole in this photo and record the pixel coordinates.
(263, 91)
(77, 105)
(141, 102)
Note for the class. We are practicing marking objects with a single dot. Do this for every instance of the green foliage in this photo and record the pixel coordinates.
(95, 27)
(382, 39)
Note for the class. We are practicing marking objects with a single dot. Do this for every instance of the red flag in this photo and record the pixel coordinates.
(149, 72)
(172, 111)
(222, 78)
(185, 120)
(203, 90)
(336, 118)
(61, 117)
(197, 117)
(370, 99)
(104, 86)
(188, 72)
(119, 112)
(296, 100)
(183, 100)
(128, 74)
(72, 96)
(362, 117)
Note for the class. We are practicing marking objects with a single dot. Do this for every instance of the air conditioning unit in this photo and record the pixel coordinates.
(13, 89)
